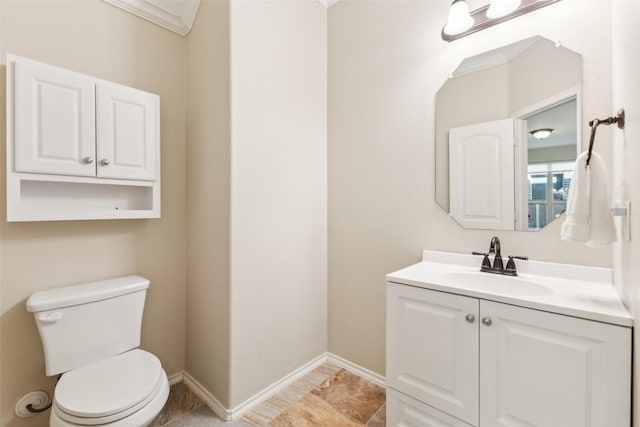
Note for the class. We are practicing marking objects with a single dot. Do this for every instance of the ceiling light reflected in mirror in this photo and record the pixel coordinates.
(541, 133)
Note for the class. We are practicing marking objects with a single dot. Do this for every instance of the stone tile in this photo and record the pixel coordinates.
(268, 410)
(312, 411)
(254, 422)
(301, 388)
(191, 400)
(379, 419)
(180, 401)
(203, 417)
(329, 369)
(277, 404)
(321, 374)
(352, 395)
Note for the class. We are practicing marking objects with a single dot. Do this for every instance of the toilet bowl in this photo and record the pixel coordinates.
(127, 390)
(90, 335)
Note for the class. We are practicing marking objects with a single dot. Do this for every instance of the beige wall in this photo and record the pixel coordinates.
(208, 199)
(95, 38)
(256, 194)
(554, 154)
(532, 79)
(626, 93)
(386, 62)
(278, 191)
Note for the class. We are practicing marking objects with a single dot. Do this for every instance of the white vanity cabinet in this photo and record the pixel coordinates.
(79, 147)
(455, 360)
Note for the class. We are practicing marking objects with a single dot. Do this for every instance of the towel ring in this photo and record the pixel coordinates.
(619, 119)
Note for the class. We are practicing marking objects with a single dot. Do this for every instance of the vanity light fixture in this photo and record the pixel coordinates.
(541, 133)
(500, 8)
(459, 18)
(462, 23)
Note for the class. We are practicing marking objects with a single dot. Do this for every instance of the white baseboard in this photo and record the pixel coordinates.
(208, 398)
(246, 406)
(176, 378)
(357, 369)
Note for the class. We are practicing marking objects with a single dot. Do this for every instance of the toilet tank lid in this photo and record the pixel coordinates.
(67, 296)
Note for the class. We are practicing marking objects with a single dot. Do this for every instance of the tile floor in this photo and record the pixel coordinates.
(327, 396)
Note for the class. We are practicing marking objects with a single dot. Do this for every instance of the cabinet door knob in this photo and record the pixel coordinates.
(88, 160)
(105, 162)
(486, 321)
(470, 318)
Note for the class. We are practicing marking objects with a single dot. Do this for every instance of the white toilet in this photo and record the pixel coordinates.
(90, 333)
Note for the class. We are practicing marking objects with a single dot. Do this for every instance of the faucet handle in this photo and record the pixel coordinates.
(511, 265)
(486, 263)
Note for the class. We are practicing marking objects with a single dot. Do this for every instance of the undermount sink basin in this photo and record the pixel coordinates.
(497, 283)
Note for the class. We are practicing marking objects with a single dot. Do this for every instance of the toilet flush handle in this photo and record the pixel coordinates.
(50, 317)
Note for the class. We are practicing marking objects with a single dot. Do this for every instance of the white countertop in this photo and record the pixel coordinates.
(572, 290)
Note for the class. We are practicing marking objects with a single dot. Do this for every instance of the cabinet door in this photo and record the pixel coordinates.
(128, 132)
(547, 370)
(403, 411)
(432, 349)
(54, 120)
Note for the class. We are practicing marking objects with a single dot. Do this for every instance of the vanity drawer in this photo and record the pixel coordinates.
(403, 410)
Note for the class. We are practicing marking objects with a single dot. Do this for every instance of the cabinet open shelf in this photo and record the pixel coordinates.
(47, 200)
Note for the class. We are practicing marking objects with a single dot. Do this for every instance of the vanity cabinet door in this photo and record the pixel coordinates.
(547, 370)
(128, 132)
(432, 348)
(53, 120)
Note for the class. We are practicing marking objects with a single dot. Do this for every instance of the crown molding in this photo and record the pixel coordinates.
(175, 15)
(328, 3)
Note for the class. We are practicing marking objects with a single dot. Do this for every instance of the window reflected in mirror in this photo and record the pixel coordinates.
(548, 187)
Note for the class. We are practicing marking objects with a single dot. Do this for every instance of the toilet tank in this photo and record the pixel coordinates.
(85, 323)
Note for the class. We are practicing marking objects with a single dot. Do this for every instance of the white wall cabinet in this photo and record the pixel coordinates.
(79, 147)
(490, 364)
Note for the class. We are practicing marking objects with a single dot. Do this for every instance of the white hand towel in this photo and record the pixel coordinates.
(588, 216)
(576, 225)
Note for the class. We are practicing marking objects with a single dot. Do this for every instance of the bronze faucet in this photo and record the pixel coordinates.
(498, 267)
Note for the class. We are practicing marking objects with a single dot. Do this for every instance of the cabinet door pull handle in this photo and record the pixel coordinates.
(105, 162)
(88, 160)
(486, 321)
(470, 318)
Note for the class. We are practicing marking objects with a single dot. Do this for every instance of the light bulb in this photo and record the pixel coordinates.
(459, 18)
(500, 8)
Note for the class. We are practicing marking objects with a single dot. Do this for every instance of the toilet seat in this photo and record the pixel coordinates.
(109, 390)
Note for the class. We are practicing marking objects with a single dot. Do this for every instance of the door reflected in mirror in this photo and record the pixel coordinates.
(507, 132)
